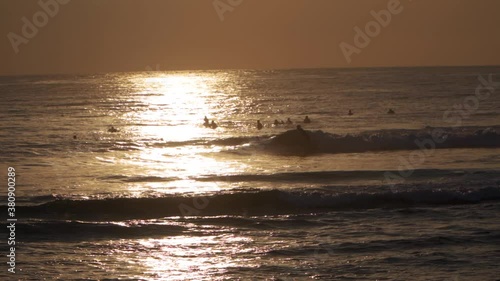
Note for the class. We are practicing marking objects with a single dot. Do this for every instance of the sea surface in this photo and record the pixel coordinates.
(413, 195)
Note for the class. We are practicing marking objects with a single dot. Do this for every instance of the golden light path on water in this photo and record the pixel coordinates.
(176, 99)
(176, 104)
(192, 258)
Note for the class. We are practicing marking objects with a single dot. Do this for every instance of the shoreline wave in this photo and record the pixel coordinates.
(257, 202)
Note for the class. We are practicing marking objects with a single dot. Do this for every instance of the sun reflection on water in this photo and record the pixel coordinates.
(169, 121)
(175, 104)
(184, 257)
(172, 109)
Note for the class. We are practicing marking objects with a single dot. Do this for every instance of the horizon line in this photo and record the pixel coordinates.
(248, 69)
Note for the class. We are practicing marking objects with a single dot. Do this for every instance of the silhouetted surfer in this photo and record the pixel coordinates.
(307, 120)
(276, 122)
(259, 125)
(113, 129)
(299, 128)
(390, 111)
(295, 142)
(206, 122)
(289, 121)
(213, 125)
(307, 144)
(350, 112)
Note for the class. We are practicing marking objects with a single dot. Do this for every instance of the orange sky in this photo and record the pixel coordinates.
(89, 36)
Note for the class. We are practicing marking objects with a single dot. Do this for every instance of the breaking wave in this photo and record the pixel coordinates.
(306, 142)
(251, 202)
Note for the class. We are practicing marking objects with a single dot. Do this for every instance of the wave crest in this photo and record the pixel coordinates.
(306, 142)
(261, 202)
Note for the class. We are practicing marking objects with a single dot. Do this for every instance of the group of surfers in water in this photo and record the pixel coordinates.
(212, 125)
(208, 124)
(390, 111)
(259, 125)
(288, 121)
(276, 123)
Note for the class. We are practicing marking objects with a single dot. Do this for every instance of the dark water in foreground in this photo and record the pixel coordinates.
(413, 195)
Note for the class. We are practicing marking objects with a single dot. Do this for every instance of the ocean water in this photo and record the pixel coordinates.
(413, 195)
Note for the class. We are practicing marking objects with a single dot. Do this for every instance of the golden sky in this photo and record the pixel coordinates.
(89, 36)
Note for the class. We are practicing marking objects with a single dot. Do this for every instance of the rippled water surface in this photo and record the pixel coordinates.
(368, 196)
